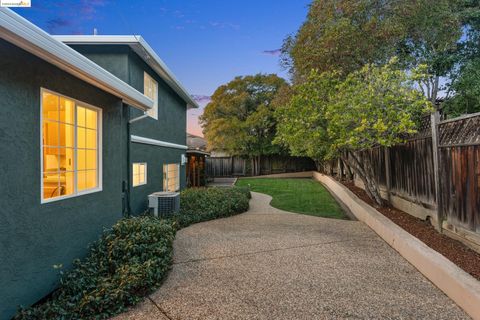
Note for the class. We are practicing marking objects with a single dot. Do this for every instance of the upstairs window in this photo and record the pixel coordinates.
(171, 177)
(139, 174)
(70, 147)
(150, 89)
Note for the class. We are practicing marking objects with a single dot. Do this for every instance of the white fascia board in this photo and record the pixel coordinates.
(24, 34)
(143, 49)
(153, 142)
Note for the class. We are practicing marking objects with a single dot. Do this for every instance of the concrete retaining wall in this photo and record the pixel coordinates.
(453, 281)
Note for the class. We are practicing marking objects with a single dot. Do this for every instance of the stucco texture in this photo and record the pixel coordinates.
(35, 236)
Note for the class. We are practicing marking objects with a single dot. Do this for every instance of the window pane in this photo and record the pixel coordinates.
(81, 183)
(51, 185)
(81, 116)
(66, 183)
(81, 159)
(136, 180)
(91, 179)
(66, 159)
(50, 106)
(91, 119)
(50, 134)
(136, 169)
(81, 138)
(67, 111)
(91, 137)
(91, 156)
(51, 161)
(66, 135)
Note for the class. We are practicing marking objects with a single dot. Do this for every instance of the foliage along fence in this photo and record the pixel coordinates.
(441, 161)
(238, 166)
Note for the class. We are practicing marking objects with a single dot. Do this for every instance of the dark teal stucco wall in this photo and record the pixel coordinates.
(170, 126)
(35, 236)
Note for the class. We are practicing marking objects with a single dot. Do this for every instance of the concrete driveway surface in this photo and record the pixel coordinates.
(272, 264)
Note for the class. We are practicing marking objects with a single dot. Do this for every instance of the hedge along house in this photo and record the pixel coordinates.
(73, 158)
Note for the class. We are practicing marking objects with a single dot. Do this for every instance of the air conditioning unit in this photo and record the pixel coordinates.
(164, 203)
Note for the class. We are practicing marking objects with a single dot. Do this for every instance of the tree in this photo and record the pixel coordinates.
(433, 29)
(375, 106)
(342, 35)
(467, 91)
(239, 119)
(302, 124)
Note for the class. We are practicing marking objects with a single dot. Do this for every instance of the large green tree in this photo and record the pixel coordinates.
(329, 117)
(344, 35)
(239, 120)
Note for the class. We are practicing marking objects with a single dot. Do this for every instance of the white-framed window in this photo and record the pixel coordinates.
(71, 153)
(171, 177)
(150, 89)
(139, 173)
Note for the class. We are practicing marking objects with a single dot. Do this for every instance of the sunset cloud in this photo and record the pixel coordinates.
(275, 52)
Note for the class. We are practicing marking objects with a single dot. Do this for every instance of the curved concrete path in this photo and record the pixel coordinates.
(272, 264)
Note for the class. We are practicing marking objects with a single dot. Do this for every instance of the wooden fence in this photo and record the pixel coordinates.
(237, 166)
(441, 162)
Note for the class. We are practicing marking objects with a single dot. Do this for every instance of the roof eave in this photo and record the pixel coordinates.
(24, 34)
(138, 43)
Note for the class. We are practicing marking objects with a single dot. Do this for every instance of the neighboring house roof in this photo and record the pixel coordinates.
(143, 49)
(24, 34)
(196, 144)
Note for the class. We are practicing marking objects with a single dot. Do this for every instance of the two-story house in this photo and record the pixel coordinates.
(87, 131)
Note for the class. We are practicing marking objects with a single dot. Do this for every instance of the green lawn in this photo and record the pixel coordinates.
(305, 196)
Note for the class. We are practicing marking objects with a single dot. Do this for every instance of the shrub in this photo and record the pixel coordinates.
(128, 261)
(131, 259)
(203, 204)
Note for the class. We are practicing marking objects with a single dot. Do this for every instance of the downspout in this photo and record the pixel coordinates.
(129, 163)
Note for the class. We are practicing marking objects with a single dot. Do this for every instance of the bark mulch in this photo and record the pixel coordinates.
(455, 251)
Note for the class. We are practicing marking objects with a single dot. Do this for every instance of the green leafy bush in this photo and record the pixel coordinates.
(203, 204)
(127, 262)
(131, 259)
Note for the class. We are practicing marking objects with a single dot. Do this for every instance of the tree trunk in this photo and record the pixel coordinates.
(364, 170)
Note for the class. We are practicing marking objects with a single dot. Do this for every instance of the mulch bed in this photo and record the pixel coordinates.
(455, 251)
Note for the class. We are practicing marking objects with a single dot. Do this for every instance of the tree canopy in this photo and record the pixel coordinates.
(239, 119)
(330, 117)
(345, 35)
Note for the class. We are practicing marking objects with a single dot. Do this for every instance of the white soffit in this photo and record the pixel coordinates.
(24, 34)
(143, 49)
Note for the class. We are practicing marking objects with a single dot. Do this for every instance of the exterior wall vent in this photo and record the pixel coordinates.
(164, 204)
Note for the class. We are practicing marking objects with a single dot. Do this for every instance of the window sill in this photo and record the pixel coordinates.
(82, 193)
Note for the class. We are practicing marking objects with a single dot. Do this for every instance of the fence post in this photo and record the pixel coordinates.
(435, 118)
(387, 171)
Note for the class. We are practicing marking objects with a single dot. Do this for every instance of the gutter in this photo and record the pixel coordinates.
(24, 34)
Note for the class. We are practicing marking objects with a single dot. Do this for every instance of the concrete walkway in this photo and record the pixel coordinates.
(271, 264)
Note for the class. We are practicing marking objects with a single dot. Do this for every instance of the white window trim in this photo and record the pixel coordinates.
(153, 112)
(99, 150)
(165, 176)
(146, 175)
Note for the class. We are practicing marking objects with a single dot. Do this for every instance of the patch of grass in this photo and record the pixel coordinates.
(304, 196)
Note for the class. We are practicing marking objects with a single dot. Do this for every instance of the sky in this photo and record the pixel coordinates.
(206, 43)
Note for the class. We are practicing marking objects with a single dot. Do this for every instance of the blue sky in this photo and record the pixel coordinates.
(205, 43)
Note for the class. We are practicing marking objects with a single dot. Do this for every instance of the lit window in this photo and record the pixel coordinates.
(139, 174)
(171, 177)
(70, 148)
(150, 89)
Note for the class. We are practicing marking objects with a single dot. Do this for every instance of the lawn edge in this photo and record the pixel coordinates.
(461, 287)
(348, 215)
